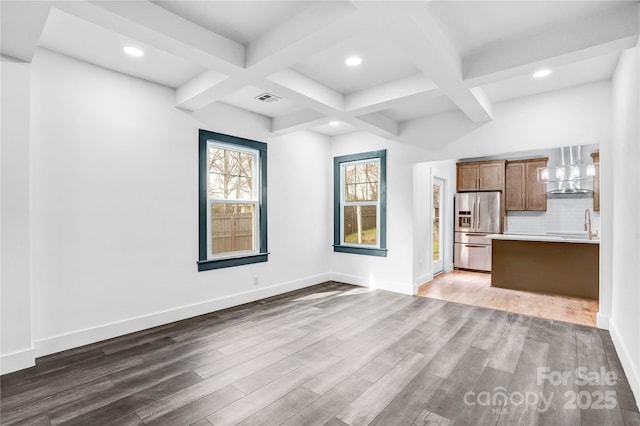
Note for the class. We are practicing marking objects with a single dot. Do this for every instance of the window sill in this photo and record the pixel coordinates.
(380, 252)
(207, 265)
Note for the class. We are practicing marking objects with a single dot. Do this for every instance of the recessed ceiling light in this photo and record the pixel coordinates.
(133, 51)
(353, 61)
(542, 73)
(334, 123)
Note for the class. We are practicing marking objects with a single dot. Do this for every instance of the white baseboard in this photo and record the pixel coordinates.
(421, 280)
(626, 360)
(602, 321)
(396, 287)
(448, 267)
(17, 360)
(107, 331)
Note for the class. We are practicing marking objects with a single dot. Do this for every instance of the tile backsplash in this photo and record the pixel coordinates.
(564, 214)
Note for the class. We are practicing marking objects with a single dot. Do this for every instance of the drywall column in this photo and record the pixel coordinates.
(17, 349)
(422, 200)
(606, 233)
(625, 295)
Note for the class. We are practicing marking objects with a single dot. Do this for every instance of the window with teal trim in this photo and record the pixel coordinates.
(360, 203)
(233, 201)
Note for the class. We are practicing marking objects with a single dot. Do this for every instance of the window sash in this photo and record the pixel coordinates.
(255, 231)
(344, 203)
(256, 186)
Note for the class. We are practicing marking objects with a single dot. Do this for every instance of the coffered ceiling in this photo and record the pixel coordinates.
(418, 57)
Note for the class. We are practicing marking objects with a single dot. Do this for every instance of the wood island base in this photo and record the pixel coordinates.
(564, 268)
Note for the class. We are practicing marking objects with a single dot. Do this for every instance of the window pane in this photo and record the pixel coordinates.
(230, 174)
(360, 224)
(361, 182)
(232, 228)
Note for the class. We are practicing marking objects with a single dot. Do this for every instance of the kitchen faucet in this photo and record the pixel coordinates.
(587, 224)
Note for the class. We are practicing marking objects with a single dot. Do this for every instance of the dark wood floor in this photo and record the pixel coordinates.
(330, 354)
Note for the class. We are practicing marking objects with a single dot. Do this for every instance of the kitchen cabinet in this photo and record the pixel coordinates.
(515, 186)
(564, 268)
(481, 176)
(523, 190)
(596, 182)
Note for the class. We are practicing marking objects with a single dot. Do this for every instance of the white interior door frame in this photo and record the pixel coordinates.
(436, 224)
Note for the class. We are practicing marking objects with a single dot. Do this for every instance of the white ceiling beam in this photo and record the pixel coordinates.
(527, 68)
(608, 32)
(206, 88)
(420, 36)
(374, 123)
(313, 30)
(479, 107)
(309, 88)
(154, 26)
(377, 124)
(299, 120)
(388, 95)
(21, 25)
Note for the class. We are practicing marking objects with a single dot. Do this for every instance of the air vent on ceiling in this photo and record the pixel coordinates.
(268, 97)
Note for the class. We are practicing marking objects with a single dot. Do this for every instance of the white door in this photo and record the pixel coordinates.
(437, 223)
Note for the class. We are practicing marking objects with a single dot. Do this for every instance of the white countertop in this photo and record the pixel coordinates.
(550, 237)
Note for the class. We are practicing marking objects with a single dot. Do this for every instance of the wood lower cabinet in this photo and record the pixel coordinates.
(481, 176)
(523, 190)
(568, 269)
(596, 182)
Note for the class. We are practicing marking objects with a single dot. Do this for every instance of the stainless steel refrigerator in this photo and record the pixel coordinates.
(478, 214)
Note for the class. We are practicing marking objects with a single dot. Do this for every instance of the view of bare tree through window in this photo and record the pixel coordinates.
(360, 199)
(230, 174)
(231, 178)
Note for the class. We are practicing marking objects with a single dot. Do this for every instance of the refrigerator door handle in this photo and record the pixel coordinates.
(474, 246)
(478, 215)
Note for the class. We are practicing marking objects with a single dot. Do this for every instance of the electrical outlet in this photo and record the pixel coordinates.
(255, 280)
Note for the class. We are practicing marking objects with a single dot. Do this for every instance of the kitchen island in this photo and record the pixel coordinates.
(563, 264)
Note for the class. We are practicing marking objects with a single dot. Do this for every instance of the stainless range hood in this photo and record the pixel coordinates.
(571, 174)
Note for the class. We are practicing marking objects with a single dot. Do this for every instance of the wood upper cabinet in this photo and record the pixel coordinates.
(515, 186)
(536, 195)
(492, 176)
(596, 182)
(467, 178)
(481, 176)
(523, 190)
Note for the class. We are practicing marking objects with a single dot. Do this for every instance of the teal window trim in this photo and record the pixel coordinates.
(205, 264)
(380, 251)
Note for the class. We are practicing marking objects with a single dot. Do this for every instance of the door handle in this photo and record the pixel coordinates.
(474, 235)
(478, 225)
(473, 246)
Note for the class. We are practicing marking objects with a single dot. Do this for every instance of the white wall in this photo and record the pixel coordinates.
(15, 293)
(114, 207)
(625, 290)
